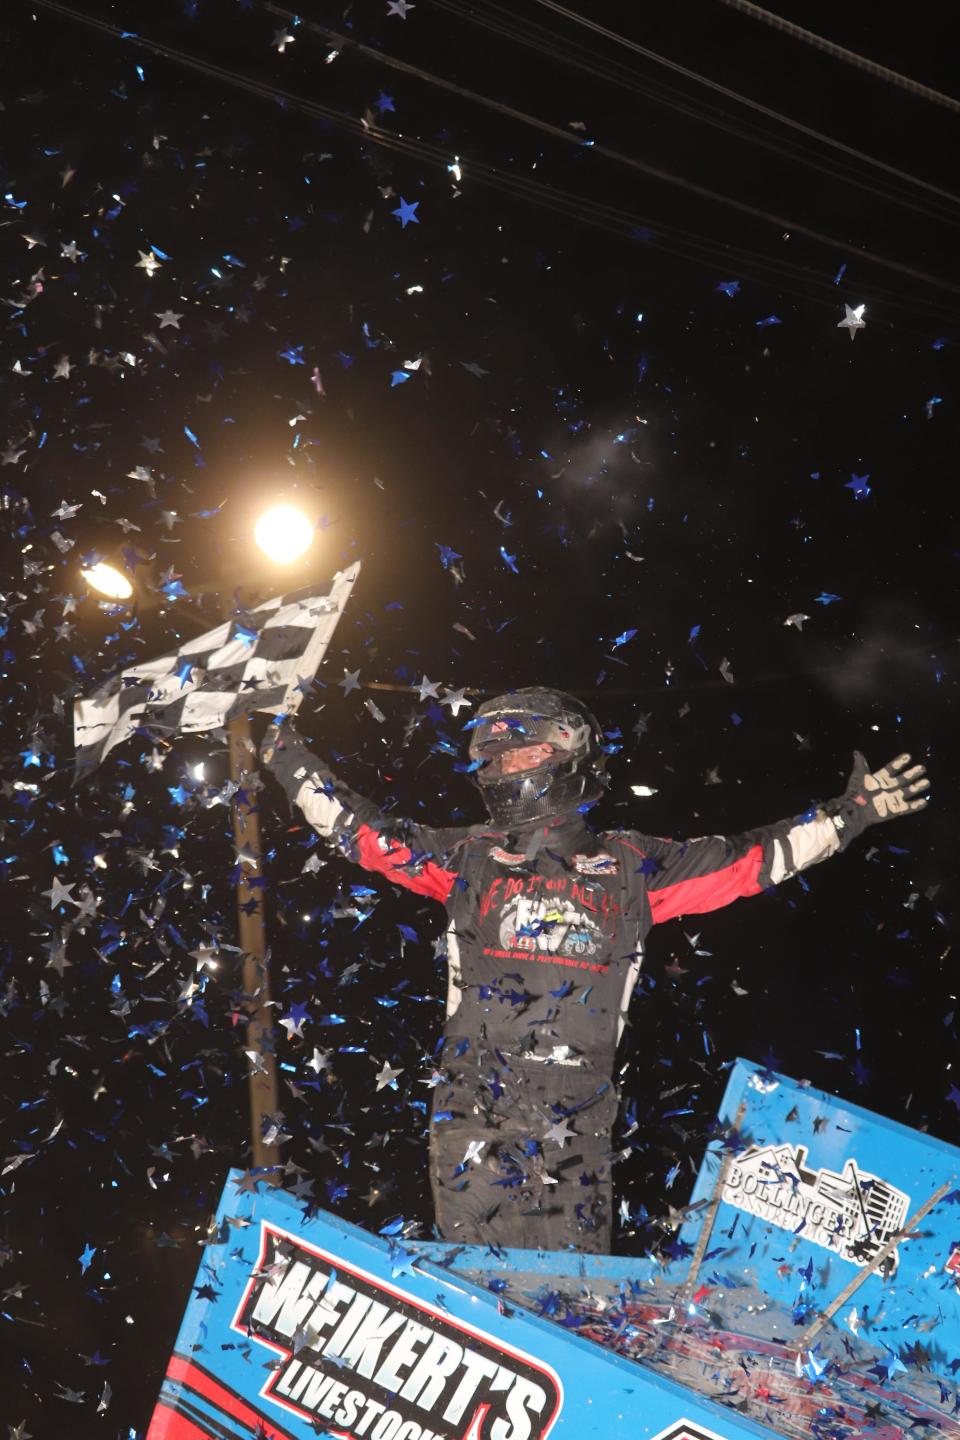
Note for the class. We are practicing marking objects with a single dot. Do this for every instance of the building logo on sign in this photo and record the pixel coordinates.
(373, 1362)
(851, 1212)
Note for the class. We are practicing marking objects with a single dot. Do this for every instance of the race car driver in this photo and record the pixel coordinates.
(546, 923)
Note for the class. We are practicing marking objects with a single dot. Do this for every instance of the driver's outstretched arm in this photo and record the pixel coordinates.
(692, 877)
(411, 855)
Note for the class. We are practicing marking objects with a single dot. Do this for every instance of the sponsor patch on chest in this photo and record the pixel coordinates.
(602, 864)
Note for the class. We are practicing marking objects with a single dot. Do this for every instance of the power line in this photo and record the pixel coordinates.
(849, 57)
(677, 243)
(548, 42)
(668, 239)
(631, 162)
(714, 85)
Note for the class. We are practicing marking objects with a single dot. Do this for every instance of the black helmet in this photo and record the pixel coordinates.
(569, 772)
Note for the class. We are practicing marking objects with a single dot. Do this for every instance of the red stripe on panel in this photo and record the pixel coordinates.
(166, 1424)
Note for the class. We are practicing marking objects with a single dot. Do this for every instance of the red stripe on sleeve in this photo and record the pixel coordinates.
(708, 892)
(430, 879)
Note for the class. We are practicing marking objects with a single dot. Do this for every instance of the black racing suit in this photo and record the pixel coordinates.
(545, 935)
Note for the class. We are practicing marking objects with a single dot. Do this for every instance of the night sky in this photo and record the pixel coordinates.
(584, 428)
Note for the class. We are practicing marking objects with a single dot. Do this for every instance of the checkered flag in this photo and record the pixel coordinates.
(256, 662)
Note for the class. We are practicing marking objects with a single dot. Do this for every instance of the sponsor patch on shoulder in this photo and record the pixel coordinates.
(504, 857)
(602, 864)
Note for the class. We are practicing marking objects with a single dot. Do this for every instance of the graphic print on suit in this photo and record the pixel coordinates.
(548, 955)
(544, 925)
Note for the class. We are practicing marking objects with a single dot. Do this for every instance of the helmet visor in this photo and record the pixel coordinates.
(518, 760)
(503, 744)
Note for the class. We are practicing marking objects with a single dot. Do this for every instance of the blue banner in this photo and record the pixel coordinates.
(305, 1327)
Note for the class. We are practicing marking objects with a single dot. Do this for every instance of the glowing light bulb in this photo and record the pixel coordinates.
(108, 581)
(283, 533)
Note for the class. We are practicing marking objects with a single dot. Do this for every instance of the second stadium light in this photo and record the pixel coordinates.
(284, 534)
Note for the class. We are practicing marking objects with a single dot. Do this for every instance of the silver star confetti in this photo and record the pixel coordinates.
(456, 700)
(59, 893)
(387, 1075)
(427, 687)
(853, 320)
(560, 1133)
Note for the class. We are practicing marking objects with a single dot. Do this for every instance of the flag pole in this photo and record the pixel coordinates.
(262, 1077)
(263, 1083)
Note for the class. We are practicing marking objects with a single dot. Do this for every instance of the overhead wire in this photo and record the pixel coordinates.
(849, 57)
(632, 162)
(625, 223)
(627, 226)
(521, 30)
(677, 243)
(718, 88)
(605, 217)
(673, 241)
(634, 222)
(670, 239)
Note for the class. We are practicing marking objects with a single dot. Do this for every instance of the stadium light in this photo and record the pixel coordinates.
(107, 581)
(283, 534)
